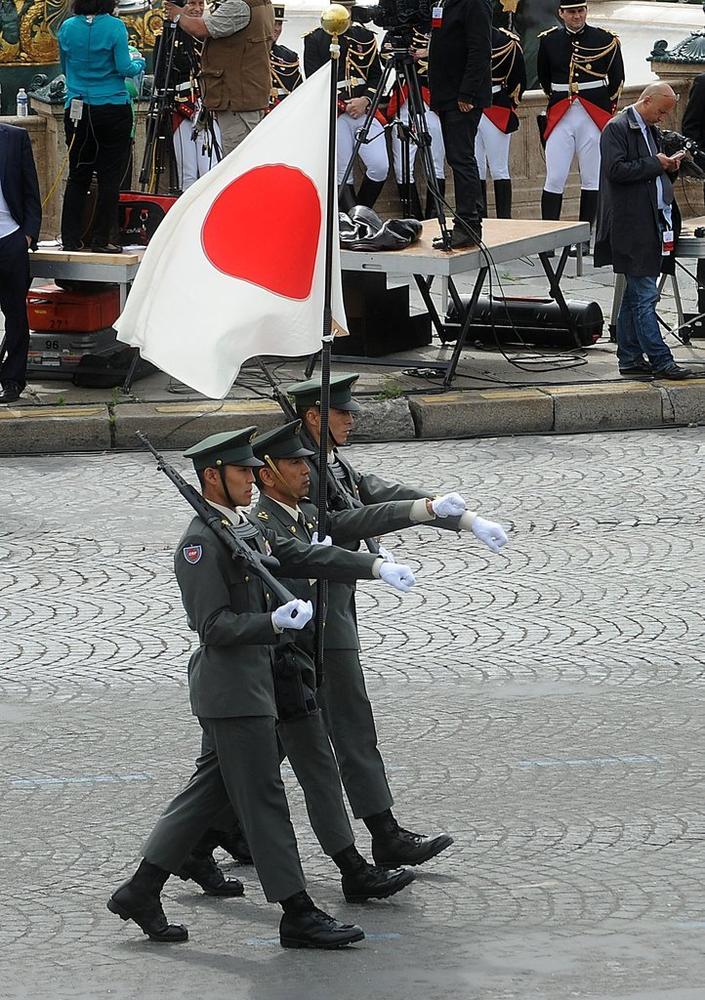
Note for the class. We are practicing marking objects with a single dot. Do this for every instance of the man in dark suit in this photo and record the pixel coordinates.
(460, 79)
(20, 219)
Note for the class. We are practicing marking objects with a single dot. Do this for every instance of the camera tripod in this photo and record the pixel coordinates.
(159, 155)
(402, 63)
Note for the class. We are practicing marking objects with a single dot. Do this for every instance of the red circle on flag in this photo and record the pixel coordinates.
(264, 227)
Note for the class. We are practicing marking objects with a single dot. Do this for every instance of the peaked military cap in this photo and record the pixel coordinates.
(278, 11)
(227, 448)
(309, 393)
(282, 442)
(571, 4)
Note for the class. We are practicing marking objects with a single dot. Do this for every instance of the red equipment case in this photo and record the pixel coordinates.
(53, 309)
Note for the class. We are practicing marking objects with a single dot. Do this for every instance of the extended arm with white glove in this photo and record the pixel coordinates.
(396, 575)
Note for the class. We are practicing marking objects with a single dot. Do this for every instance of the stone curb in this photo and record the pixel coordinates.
(561, 409)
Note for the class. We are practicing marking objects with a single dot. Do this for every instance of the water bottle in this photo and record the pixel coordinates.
(22, 103)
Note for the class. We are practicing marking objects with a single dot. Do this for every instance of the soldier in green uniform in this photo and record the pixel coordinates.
(343, 696)
(232, 694)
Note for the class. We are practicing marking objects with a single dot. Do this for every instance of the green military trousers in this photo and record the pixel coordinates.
(305, 742)
(351, 725)
(240, 767)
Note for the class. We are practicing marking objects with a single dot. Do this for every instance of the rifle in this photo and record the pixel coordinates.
(338, 498)
(259, 565)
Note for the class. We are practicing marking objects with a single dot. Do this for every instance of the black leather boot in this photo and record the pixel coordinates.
(303, 925)
(206, 873)
(362, 881)
(462, 236)
(369, 192)
(503, 198)
(414, 201)
(551, 205)
(393, 846)
(430, 212)
(586, 213)
(138, 899)
(347, 199)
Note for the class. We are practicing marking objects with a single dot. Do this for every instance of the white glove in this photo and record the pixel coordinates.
(326, 541)
(386, 554)
(294, 614)
(450, 505)
(492, 534)
(398, 576)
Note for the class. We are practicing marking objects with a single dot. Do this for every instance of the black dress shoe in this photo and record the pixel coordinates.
(106, 248)
(11, 392)
(71, 247)
(371, 882)
(145, 908)
(315, 929)
(640, 372)
(674, 372)
(206, 873)
(397, 847)
(460, 238)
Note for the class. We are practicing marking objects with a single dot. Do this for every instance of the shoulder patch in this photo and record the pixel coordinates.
(263, 515)
(192, 553)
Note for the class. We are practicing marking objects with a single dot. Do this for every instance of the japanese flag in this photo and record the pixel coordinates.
(236, 268)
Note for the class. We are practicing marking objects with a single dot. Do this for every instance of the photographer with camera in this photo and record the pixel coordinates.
(460, 77)
(235, 72)
(359, 72)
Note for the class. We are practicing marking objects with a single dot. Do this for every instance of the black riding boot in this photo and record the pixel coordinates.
(503, 198)
(369, 191)
(346, 198)
(414, 200)
(551, 205)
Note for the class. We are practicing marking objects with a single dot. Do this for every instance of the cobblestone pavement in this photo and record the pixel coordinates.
(546, 706)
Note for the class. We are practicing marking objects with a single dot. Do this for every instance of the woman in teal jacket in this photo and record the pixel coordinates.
(96, 60)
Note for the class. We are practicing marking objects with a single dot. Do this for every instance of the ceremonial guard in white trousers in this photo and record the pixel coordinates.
(580, 69)
(499, 121)
(359, 72)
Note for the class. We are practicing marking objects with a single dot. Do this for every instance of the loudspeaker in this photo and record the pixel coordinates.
(537, 321)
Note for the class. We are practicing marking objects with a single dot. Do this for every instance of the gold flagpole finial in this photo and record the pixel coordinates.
(335, 20)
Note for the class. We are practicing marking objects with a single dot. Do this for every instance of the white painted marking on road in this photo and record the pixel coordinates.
(591, 761)
(92, 779)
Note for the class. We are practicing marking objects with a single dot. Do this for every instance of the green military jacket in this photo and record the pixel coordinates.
(230, 673)
(341, 618)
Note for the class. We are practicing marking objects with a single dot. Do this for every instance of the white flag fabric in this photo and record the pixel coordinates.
(236, 268)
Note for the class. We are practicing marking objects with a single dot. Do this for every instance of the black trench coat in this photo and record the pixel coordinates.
(628, 235)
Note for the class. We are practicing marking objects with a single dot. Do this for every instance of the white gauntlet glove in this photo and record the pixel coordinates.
(492, 534)
(294, 614)
(450, 505)
(398, 576)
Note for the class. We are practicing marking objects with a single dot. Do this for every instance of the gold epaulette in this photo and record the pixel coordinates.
(542, 34)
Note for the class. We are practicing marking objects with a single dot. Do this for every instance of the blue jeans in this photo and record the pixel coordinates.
(638, 332)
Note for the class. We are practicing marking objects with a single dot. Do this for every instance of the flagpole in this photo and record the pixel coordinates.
(335, 20)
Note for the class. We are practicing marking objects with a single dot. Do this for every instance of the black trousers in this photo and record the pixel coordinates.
(14, 284)
(459, 130)
(100, 145)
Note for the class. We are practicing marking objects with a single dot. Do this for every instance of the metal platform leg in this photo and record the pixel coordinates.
(555, 290)
(467, 320)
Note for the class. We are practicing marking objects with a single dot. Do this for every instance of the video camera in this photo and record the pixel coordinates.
(673, 142)
(398, 17)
